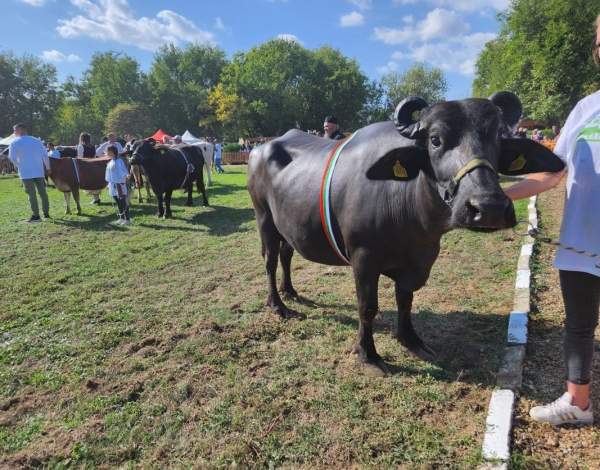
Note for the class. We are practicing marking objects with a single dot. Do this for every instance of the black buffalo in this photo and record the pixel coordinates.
(397, 188)
(169, 168)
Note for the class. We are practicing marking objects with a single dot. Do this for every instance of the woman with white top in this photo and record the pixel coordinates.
(579, 147)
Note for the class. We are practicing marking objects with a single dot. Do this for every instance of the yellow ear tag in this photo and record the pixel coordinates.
(518, 163)
(399, 170)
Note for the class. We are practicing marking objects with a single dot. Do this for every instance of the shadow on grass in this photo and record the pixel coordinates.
(469, 346)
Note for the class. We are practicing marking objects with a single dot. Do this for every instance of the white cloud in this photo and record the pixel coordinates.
(438, 23)
(219, 24)
(391, 66)
(57, 56)
(34, 3)
(462, 5)
(408, 19)
(362, 4)
(113, 20)
(352, 19)
(289, 37)
(458, 54)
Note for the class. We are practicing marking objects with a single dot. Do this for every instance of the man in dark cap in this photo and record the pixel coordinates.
(331, 128)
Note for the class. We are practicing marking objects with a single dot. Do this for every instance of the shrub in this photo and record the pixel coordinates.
(232, 148)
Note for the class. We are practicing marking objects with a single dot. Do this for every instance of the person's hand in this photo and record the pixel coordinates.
(555, 178)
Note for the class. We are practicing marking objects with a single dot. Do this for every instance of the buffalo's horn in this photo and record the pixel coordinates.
(510, 105)
(403, 116)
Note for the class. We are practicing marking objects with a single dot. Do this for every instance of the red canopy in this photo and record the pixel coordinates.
(159, 135)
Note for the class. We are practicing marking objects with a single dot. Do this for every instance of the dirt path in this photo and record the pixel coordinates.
(542, 446)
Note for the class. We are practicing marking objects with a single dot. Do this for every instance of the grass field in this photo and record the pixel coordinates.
(150, 346)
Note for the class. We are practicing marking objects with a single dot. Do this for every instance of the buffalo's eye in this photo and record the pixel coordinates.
(435, 141)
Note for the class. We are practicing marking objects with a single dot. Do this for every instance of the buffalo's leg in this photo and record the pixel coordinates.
(285, 257)
(168, 213)
(147, 184)
(208, 174)
(366, 280)
(67, 196)
(161, 209)
(271, 241)
(202, 188)
(403, 329)
(189, 187)
(76, 197)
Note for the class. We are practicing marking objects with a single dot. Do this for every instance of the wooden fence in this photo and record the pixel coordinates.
(235, 158)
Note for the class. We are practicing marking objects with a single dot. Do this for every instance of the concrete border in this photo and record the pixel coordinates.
(498, 425)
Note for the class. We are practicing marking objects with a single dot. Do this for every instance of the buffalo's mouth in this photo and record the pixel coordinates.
(485, 215)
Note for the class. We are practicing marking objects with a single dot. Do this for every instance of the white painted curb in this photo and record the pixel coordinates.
(498, 426)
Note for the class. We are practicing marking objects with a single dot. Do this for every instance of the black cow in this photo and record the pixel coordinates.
(396, 189)
(170, 168)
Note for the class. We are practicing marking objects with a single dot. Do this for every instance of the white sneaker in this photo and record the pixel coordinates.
(561, 411)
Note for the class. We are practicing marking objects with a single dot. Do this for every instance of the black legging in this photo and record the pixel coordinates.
(581, 295)
(123, 207)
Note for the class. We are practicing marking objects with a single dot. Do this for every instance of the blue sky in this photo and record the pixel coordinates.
(381, 35)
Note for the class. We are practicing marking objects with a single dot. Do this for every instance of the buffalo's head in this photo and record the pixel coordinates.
(462, 146)
(143, 152)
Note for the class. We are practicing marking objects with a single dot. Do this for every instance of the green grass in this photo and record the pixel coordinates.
(149, 345)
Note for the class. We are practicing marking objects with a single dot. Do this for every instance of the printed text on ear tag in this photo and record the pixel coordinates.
(399, 170)
(518, 163)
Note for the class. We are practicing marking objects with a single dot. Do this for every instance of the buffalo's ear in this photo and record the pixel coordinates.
(522, 156)
(400, 164)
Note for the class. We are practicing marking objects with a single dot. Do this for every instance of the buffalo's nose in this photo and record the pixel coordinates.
(490, 213)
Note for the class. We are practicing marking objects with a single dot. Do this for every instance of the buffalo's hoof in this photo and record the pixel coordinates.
(374, 367)
(168, 215)
(418, 348)
(289, 294)
(288, 314)
(79, 213)
(206, 204)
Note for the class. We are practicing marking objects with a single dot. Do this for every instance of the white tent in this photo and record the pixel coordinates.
(190, 138)
(8, 140)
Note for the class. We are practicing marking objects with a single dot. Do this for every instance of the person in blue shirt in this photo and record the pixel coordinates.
(30, 157)
(218, 160)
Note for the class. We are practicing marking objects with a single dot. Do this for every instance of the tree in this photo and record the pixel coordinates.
(129, 118)
(29, 93)
(180, 82)
(280, 85)
(543, 55)
(420, 80)
(111, 78)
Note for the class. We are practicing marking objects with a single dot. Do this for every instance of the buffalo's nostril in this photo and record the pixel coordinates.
(474, 211)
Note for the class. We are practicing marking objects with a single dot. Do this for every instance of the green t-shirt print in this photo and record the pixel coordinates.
(591, 131)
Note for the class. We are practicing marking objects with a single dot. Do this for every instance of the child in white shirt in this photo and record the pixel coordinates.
(116, 176)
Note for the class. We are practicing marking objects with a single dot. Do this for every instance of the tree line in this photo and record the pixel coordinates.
(543, 54)
(262, 92)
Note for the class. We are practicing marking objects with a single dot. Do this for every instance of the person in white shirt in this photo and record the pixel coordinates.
(116, 176)
(579, 147)
(30, 157)
(101, 152)
(112, 141)
(85, 149)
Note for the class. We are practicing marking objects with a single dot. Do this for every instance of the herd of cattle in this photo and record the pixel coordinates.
(164, 168)
(378, 201)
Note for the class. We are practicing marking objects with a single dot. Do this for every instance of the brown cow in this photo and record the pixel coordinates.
(72, 174)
